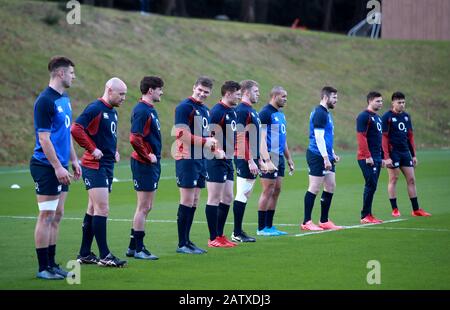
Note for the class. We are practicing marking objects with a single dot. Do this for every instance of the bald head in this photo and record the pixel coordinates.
(115, 92)
(278, 97)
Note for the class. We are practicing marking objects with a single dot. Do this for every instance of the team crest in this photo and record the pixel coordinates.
(394, 119)
(197, 112)
(373, 119)
(227, 117)
(406, 118)
(60, 109)
(105, 116)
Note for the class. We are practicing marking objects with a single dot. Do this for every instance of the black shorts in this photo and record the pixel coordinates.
(145, 176)
(401, 159)
(219, 170)
(45, 180)
(98, 178)
(242, 169)
(190, 173)
(316, 166)
(279, 162)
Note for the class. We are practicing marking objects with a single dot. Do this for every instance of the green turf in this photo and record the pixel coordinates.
(125, 44)
(414, 253)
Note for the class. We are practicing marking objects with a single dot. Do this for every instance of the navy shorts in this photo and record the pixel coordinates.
(315, 164)
(279, 162)
(401, 159)
(242, 169)
(219, 170)
(45, 181)
(145, 176)
(98, 178)
(190, 173)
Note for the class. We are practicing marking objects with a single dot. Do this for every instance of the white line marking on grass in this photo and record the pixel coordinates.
(410, 228)
(346, 227)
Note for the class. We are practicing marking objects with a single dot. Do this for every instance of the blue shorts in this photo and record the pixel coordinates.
(401, 159)
(145, 176)
(219, 170)
(190, 173)
(242, 169)
(98, 178)
(315, 164)
(278, 161)
(45, 180)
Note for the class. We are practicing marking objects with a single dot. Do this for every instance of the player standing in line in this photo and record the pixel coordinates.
(220, 172)
(145, 137)
(369, 156)
(400, 153)
(321, 160)
(192, 142)
(49, 163)
(96, 131)
(249, 152)
(273, 133)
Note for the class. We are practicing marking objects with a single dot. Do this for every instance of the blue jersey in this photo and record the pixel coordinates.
(145, 123)
(53, 113)
(225, 117)
(275, 122)
(193, 116)
(99, 120)
(399, 129)
(369, 134)
(320, 118)
(249, 125)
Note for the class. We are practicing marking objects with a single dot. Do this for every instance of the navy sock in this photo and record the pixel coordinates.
(189, 223)
(88, 235)
(261, 219)
(51, 255)
(222, 213)
(139, 240)
(132, 245)
(42, 255)
(393, 202)
(99, 227)
(182, 217)
(269, 218)
(414, 203)
(325, 203)
(211, 218)
(309, 205)
(238, 210)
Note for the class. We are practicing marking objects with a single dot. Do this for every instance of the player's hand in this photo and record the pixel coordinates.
(271, 166)
(336, 158)
(369, 161)
(383, 163)
(415, 162)
(252, 167)
(220, 154)
(117, 157)
(76, 170)
(291, 166)
(327, 163)
(153, 158)
(211, 143)
(97, 154)
(388, 163)
(63, 175)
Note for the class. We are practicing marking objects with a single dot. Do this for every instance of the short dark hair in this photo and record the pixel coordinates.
(204, 81)
(398, 95)
(248, 84)
(372, 95)
(327, 91)
(152, 82)
(229, 86)
(58, 62)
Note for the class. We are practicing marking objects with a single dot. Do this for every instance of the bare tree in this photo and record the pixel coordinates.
(328, 15)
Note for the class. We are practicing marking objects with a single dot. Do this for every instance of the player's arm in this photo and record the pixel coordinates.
(319, 122)
(141, 121)
(288, 156)
(74, 159)
(411, 143)
(362, 126)
(183, 132)
(87, 123)
(266, 163)
(386, 123)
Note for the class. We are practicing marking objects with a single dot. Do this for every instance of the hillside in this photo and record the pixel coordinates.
(125, 44)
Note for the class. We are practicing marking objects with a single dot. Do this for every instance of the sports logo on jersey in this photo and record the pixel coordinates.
(60, 109)
(136, 183)
(195, 182)
(276, 119)
(207, 112)
(253, 114)
(36, 186)
(105, 115)
(406, 118)
(227, 117)
(197, 112)
(59, 188)
(394, 119)
(87, 182)
(153, 116)
(373, 118)
(158, 125)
